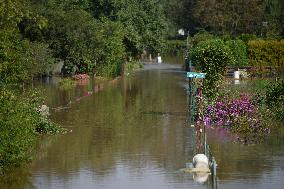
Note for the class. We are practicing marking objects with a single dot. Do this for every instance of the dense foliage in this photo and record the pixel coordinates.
(144, 22)
(211, 57)
(96, 36)
(239, 52)
(234, 17)
(105, 38)
(20, 59)
(20, 123)
(239, 115)
(175, 47)
(274, 99)
(266, 53)
(199, 37)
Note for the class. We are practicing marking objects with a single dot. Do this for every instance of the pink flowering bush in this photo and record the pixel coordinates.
(239, 116)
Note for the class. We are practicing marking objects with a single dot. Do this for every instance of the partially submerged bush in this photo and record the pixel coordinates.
(212, 57)
(20, 123)
(240, 116)
(17, 130)
(129, 67)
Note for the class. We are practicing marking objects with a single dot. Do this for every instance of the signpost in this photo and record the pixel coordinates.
(192, 92)
(195, 93)
(195, 75)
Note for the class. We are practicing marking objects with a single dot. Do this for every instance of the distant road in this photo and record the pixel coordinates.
(163, 66)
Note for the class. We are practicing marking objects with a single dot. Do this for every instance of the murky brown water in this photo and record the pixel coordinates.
(133, 134)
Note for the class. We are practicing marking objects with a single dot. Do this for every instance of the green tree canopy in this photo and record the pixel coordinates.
(144, 22)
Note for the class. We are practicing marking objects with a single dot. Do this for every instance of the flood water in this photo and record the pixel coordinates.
(133, 134)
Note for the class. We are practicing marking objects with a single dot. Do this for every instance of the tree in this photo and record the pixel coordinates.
(11, 13)
(273, 10)
(63, 4)
(74, 36)
(144, 22)
(232, 16)
(20, 59)
(11, 47)
(180, 13)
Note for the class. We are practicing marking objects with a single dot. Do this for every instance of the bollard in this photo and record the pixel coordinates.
(237, 74)
(159, 59)
(200, 161)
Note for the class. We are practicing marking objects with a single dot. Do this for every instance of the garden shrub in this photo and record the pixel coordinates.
(22, 60)
(239, 51)
(211, 57)
(274, 99)
(199, 37)
(20, 123)
(266, 53)
(239, 115)
(17, 130)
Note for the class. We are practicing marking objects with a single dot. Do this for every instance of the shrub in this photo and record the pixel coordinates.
(266, 53)
(40, 58)
(239, 116)
(10, 52)
(239, 51)
(274, 99)
(17, 130)
(131, 66)
(211, 57)
(199, 37)
(20, 122)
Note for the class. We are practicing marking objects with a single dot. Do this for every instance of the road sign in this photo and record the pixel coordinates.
(195, 75)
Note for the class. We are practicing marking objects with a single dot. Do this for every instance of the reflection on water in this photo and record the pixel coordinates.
(200, 177)
(129, 135)
(134, 135)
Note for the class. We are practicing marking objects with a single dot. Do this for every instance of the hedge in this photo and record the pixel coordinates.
(265, 54)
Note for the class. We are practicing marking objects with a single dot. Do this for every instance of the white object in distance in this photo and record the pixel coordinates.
(200, 161)
(159, 59)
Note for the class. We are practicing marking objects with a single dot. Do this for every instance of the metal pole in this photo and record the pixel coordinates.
(201, 109)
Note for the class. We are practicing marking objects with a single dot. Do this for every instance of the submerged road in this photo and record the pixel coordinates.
(134, 135)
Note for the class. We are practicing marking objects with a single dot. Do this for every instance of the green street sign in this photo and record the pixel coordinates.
(195, 75)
